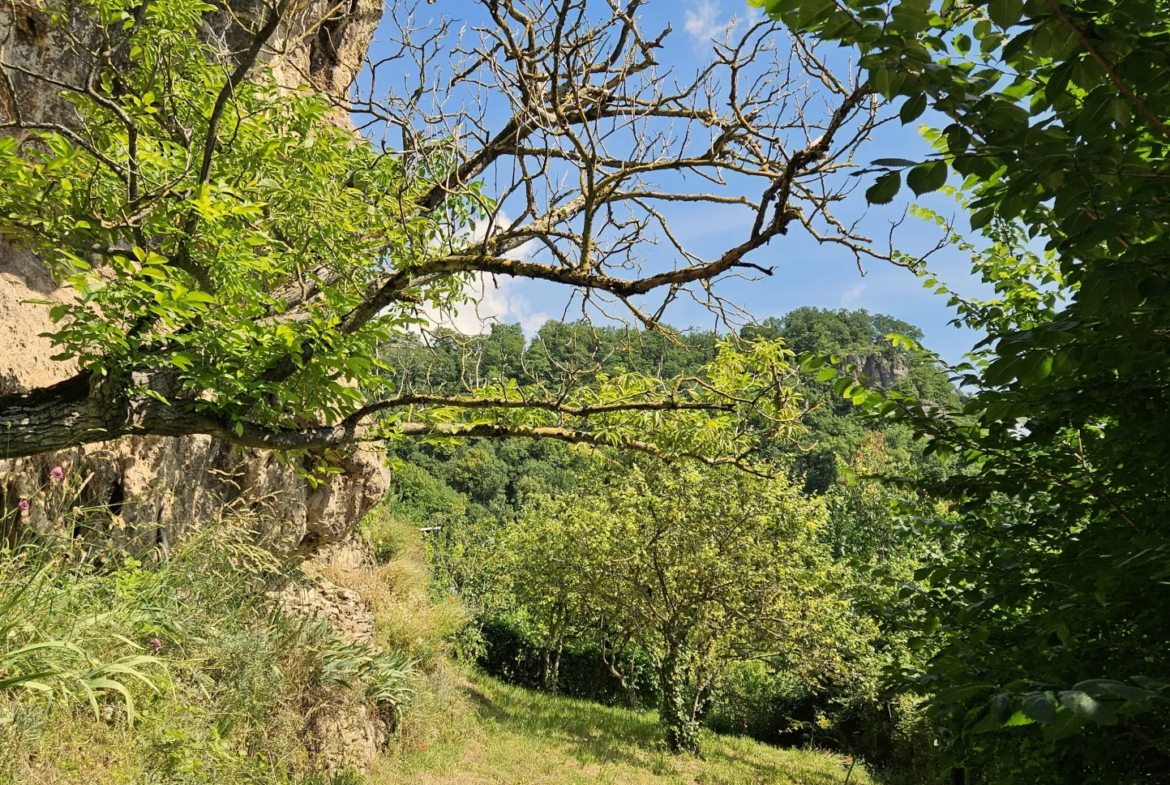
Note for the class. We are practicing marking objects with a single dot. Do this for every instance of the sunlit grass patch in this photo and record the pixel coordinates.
(521, 737)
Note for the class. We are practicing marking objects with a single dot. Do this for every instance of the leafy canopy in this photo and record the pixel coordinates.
(238, 255)
(697, 567)
(1050, 607)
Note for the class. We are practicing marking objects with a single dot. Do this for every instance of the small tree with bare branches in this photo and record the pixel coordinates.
(237, 257)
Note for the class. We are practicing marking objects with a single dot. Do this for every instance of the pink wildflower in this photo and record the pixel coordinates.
(57, 473)
(24, 505)
(155, 645)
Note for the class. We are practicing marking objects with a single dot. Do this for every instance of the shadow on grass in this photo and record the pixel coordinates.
(535, 723)
(766, 773)
(591, 733)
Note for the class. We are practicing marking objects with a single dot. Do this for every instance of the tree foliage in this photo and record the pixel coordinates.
(237, 254)
(577, 353)
(697, 568)
(1050, 610)
(536, 633)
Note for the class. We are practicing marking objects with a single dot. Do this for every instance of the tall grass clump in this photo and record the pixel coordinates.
(174, 666)
(413, 613)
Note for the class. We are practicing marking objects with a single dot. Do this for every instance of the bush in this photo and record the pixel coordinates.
(419, 496)
(890, 734)
(514, 655)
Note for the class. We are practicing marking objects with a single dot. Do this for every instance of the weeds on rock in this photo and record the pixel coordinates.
(173, 666)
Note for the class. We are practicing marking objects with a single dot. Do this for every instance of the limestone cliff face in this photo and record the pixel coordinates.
(158, 487)
(321, 44)
(884, 370)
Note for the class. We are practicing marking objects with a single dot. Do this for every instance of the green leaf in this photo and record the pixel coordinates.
(1120, 689)
(910, 17)
(927, 177)
(1040, 707)
(1001, 707)
(981, 218)
(887, 80)
(986, 725)
(1088, 707)
(1067, 723)
(184, 360)
(1005, 13)
(809, 10)
(963, 693)
(1017, 719)
(884, 189)
(913, 108)
(31, 681)
(1034, 368)
(958, 138)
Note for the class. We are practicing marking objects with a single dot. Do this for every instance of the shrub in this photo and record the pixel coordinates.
(186, 642)
(890, 733)
(514, 654)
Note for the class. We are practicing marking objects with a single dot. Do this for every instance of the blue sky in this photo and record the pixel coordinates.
(805, 273)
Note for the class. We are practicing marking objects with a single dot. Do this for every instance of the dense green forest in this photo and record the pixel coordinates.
(239, 228)
(484, 504)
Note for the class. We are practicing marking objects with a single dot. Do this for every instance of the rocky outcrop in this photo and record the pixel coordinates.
(884, 370)
(322, 600)
(342, 730)
(320, 44)
(154, 488)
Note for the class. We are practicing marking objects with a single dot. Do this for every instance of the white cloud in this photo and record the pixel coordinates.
(852, 295)
(703, 24)
(491, 298)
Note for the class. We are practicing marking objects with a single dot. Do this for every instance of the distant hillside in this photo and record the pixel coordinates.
(491, 476)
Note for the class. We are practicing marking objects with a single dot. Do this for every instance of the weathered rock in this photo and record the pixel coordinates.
(342, 730)
(24, 351)
(321, 44)
(884, 370)
(157, 487)
(321, 600)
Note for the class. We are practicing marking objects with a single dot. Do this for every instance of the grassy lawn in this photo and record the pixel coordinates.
(519, 737)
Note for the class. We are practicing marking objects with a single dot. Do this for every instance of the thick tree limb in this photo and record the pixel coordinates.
(594, 141)
(83, 410)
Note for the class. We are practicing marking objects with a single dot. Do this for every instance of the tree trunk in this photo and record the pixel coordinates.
(682, 731)
(554, 676)
(86, 409)
(551, 667)
(48, 419)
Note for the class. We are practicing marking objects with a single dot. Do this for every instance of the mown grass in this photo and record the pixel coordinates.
(516, 736)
